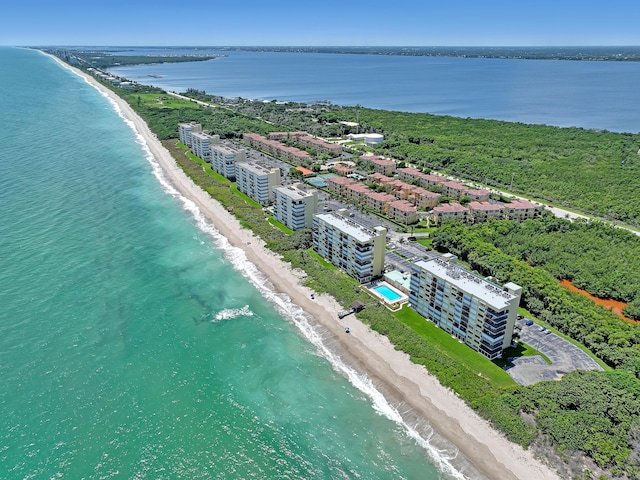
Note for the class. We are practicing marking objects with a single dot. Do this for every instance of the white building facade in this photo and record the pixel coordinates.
(294, 207)
(257, 181)
(478, 312)
(201, 144)
(224, 159)
(186, 129)
(355, 249)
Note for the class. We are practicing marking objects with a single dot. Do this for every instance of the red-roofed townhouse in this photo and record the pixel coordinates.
(338, 185)
(343, 170)
(454, 189)
(481, 195)
(379, 178)
(485, 211)
(296, 156)
(369, 158)
(449, 211)
(424, 198)
(409, 174)
(254, 140)
(403, 212)
(378, 201)
(279, 136)
(356, 192)
(521, 210)
(400, 189)
(386, 167)
(427, 181)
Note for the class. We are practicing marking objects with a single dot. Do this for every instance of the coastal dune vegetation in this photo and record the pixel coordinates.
(585, 422)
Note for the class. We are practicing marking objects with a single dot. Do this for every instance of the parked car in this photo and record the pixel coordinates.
(529, 323)
(542, 328)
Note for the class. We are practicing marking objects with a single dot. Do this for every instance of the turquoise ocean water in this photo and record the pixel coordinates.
(134, 341)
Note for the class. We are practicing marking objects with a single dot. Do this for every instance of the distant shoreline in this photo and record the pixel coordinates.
(587, 53)
(622, 53)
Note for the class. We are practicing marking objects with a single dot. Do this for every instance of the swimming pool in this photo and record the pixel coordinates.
(388, 293)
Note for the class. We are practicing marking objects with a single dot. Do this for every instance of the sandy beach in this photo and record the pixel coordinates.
(417, 395)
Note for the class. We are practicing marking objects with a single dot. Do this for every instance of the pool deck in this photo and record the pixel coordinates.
(392, 305)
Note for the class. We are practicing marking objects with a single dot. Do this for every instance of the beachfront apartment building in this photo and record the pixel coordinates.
(354, 248)
(257, 181)
(478, 312)
(294, 207)
(224, 159)
(201, 143)
(186, 129)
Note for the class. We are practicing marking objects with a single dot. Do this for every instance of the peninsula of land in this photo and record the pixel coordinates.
(417, 395)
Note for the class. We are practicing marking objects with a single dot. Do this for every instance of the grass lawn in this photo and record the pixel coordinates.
(279, 225)
(155, 100)
(449, 346)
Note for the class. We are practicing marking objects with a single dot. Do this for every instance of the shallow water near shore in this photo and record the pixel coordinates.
(135, 342)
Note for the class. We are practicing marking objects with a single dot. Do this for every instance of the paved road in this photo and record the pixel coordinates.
(565, 357)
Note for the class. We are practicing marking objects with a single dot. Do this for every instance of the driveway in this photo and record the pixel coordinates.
(565, 357)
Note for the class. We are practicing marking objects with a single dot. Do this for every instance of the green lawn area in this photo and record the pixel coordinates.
(450, 347)
(158, 100)
(279, 225)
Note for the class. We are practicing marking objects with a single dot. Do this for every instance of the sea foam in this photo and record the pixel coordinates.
(230, 313)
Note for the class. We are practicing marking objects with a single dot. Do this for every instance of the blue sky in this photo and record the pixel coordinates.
(331, 22)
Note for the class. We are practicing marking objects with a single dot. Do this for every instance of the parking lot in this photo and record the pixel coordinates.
(564, 356)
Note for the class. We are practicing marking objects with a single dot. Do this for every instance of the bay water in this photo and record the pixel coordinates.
(601, 95)
(135, 342)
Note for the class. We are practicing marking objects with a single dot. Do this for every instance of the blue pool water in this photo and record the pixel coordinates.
(386, 292)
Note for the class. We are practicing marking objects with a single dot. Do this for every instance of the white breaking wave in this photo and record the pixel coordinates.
(230, 313)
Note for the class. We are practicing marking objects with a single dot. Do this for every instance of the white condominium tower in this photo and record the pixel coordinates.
(257, 180)
(294, 207)
(355, 249)
(478, 312)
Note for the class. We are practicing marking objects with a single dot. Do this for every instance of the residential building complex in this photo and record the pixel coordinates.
(478, 312)
(257, 180)
(355, 249)
(294, 207)
(224, 159)
(201, 144)
(449, 211)
(186, 129)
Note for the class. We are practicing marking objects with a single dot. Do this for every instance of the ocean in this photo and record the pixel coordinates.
(601, 95)
(135, 342)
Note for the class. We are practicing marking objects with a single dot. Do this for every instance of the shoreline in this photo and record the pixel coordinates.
(486, 452)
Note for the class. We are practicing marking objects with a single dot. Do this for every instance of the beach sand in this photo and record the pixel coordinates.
(417, 395)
